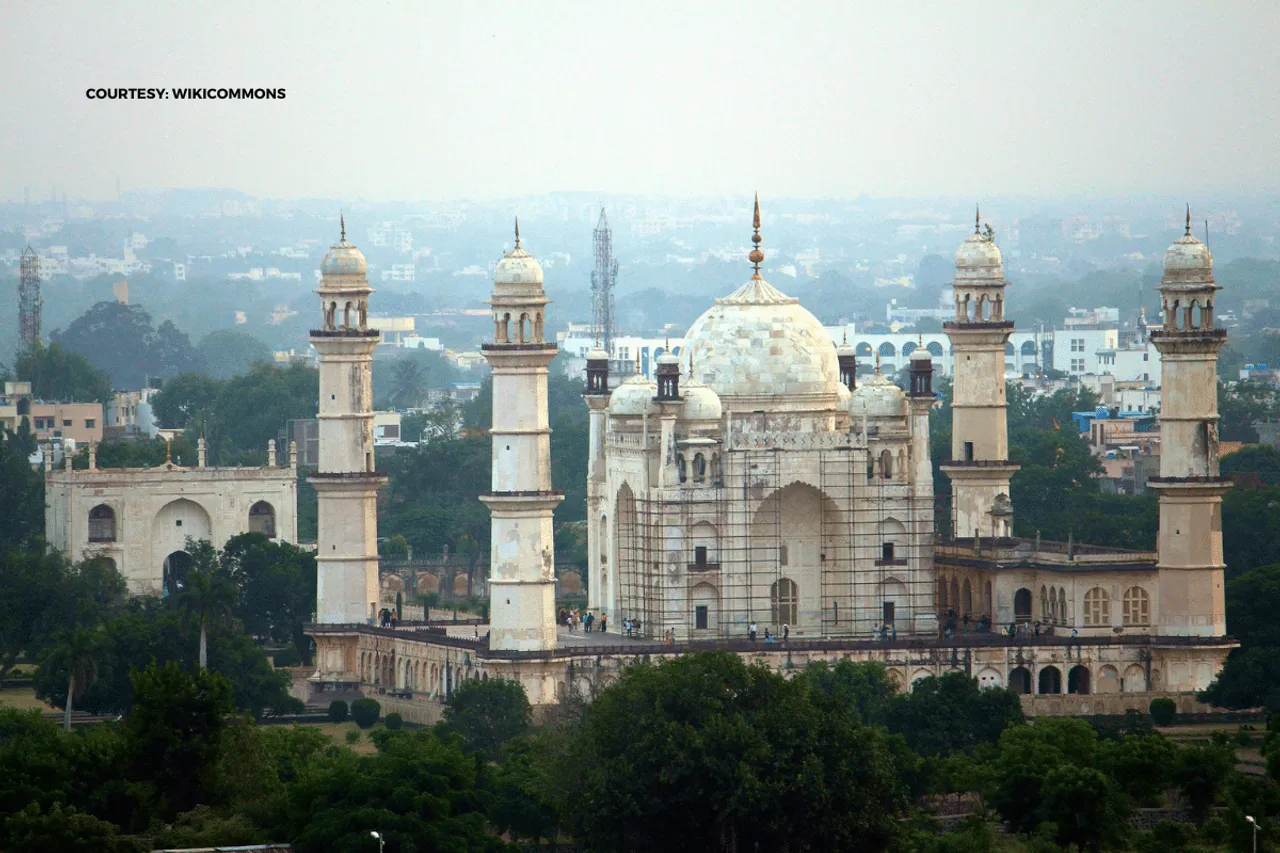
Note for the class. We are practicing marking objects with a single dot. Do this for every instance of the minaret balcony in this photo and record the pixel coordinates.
(346, 333)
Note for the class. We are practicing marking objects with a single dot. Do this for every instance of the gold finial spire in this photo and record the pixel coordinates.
(690, 364)
(756, 257)
(167, 447)
(877, 360)
(845, 340)
(1188, 219)
(342, 223)
(517, 232)
(977, 219)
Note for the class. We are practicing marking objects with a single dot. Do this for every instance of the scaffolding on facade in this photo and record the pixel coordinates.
(812, 534)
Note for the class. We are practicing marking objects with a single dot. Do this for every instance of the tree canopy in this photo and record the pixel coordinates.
(123, 342)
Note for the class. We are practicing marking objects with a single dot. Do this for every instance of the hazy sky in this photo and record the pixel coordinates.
(436, 100)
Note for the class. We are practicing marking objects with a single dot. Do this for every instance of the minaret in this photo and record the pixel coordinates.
(522, 579)
(979, 467)
(346, 482)
(847, 358)
(597, 397)
(1190, 489)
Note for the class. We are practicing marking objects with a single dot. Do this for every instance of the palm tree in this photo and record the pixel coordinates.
(408, 381)
(77, 652)
(208, 593)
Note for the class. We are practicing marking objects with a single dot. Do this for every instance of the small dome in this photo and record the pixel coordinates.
(668, 357)
(1187, 254)
(633, 397)
(845, 349)
(700, 402)
(978, 258)
(517, 267)
(344, 259)
(597, 354)
(878, 398)
(921, 354)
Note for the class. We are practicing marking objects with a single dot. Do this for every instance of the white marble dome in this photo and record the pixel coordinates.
(700, 402)
(978, 258)
(633, 397)
(920, 353)
(758, 341)
(344, 259)
(878, 398)
(597, 354)
(518, 268)
(1188, 254)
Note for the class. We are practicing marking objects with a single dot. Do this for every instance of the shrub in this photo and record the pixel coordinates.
(1244, 736)
(337, 711)
(287, 657)
(353, 736)
(365, 712)
(394, 721)
(1163, 710)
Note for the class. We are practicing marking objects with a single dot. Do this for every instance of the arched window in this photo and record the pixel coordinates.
(1045, 607)
(953, 596)
(537, 326)
(1078, 680)
(1020, 680)
(346, 316)
(934, 348)
(1050, 680)
(699, 468)
(1136, 607)
(886, 464)
(863, 350)
(1062, 606)
(102, 524)
(1022, 605)
(262, 519)
(682, 467)
(524, 328)
(1097, 608)
(784, 599)
(967, 601)
(886, 350)
(506, 328)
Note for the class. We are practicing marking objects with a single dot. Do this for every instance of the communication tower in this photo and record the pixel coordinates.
(29, 297)
(603, 278)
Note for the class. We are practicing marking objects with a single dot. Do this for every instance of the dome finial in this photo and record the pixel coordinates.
(845, 340)
(977, 219)
(342, 223)
(1188, 219)
(877, 361)
(756, 257)
(517, 232)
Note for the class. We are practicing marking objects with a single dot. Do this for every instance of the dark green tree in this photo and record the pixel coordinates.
(229, 352)
(174, 733)
(276, 588)
(58, 373)
(182, 397)
(124, 343)
(952, 713)
(22, 510)
(486, 714)
(34, 830)
(705, 752)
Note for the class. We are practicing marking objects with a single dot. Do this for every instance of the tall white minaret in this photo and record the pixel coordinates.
(979, 467)
(1190, 488)
(522, 579)
(597, 397)
(346, 482)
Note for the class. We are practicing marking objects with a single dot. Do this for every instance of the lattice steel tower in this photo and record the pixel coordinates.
(29, 297)
(603, 278)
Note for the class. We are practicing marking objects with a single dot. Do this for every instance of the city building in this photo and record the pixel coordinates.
(141, 519)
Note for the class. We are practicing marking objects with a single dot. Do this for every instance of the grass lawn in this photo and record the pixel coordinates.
(23, 698)
(337, 732)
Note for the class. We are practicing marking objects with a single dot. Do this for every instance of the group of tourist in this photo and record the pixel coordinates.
(753, 632)
(572, 618)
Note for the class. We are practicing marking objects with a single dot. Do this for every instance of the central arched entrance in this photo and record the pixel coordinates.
(176, 568)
